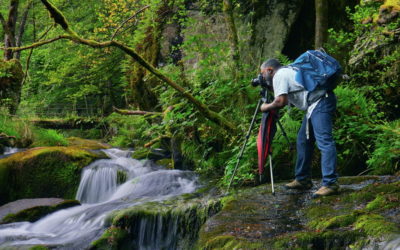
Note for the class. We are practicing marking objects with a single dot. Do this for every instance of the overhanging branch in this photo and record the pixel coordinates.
(60, 19)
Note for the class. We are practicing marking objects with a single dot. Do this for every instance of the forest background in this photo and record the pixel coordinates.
(196, 102)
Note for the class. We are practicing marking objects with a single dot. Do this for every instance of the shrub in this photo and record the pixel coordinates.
(354, 129)
(48, 137)
(386, 157)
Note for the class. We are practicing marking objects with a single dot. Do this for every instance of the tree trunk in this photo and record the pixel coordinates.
(141, 94)
(21, 29)
(233, 36)
(321, 22)
(9, 38)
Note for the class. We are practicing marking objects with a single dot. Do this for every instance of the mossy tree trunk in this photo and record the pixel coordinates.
(10, 69)
(321, 23)
(141, 91)
(233, 36)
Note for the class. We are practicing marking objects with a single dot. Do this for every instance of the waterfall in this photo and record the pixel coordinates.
(97, 183)
(100, 193)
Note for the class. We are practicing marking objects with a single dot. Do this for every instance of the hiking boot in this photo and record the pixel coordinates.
(326, 190)
(299, 185)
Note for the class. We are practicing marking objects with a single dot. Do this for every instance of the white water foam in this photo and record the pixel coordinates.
(76, 227)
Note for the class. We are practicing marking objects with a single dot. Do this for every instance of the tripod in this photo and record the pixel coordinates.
(263, 99)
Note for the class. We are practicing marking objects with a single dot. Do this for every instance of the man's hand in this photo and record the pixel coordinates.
(279, 102)
(266, 107)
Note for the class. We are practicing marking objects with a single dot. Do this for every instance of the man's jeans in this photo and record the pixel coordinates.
(320, 130)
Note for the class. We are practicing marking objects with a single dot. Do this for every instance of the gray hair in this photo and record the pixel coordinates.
(273, 63)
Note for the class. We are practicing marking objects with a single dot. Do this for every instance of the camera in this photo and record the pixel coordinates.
(260, 80)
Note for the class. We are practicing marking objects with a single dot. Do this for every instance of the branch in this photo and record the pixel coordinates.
(135, 112)
(21, 30)
(37, 44)
(3, 22)
(127, 20)
(58, 17)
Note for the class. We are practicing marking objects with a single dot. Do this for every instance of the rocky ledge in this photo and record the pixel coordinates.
(366, 213)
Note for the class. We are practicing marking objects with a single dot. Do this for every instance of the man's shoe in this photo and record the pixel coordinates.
(299, 185)
(326, 190)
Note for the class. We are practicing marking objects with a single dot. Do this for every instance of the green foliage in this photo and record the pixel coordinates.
(354, 128)
(373, 54)
(128, 131)
(247, 169)
(48, 137)
(385, 159)
(28, 135)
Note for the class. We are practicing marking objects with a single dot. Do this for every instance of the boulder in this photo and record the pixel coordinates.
(43, 172)
(32, 209)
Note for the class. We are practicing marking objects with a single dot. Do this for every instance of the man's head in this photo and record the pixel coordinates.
(269, 68)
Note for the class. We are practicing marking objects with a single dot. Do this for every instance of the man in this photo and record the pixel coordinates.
(316, 126)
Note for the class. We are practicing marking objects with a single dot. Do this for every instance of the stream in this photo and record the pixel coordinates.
(100, 193)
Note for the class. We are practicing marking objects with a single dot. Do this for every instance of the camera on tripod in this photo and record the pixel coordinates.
(260, 81)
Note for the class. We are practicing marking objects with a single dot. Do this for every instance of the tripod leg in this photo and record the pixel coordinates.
(245, 142)
(284, 133)
(272, 176)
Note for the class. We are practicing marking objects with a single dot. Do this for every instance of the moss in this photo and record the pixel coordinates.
(229, 242)
(382, 202)
(43, 172)
(375, 225)
(112, 238)
(334, 222)
(35, 213)
(168, 163)
(187, 214)
(87, 144)
(39, 247)
(121, 177)
(141, 153)
(318, 240)
(11, 75)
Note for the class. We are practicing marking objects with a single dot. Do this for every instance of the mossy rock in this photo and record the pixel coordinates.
(35, 213)
(178, 221)
(167, 163)
(43, 172)
(366, 210)
(151, 154)
(86, 143)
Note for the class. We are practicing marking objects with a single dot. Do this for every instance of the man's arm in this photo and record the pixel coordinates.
(278, 103)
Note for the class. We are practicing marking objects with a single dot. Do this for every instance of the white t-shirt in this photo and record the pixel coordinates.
(284, 83)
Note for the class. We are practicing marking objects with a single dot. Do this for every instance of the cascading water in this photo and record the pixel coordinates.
(99, 193)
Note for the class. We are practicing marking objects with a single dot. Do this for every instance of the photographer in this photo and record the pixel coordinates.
(316, 126)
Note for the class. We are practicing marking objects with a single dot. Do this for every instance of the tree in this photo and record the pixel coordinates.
(321, 22)
(11, 37)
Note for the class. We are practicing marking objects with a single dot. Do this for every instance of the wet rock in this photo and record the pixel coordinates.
(43, 172)
(171, 224)
(32, 209)
(253, 218)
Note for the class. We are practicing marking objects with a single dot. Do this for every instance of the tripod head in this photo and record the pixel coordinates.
(265, 95)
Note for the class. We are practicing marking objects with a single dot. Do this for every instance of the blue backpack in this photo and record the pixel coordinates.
(317, 70)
